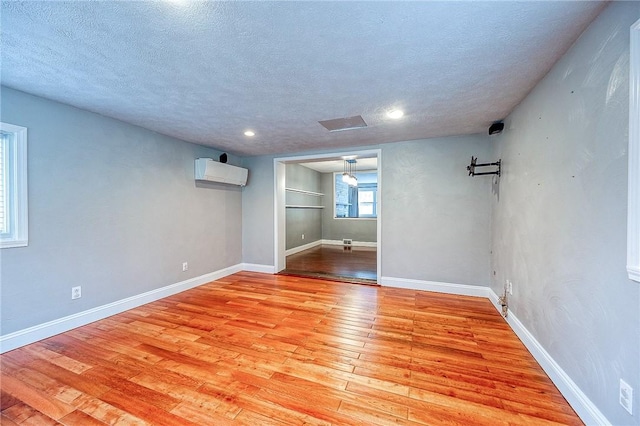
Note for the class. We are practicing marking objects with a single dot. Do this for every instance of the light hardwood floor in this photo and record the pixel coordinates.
(261, 349)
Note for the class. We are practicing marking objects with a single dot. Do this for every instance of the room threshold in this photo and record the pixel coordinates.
(336, 263)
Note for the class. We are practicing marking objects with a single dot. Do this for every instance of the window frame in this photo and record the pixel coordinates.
(16, 200)
(368, 217)
(374, 203)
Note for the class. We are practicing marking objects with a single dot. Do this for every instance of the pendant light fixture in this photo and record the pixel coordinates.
(345, 174)
(349, 174)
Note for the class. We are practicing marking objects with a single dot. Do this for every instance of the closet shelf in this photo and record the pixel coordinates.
(297, 206)
(302, 191)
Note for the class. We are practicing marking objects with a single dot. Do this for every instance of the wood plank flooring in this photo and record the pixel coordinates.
(256, 349)
(358, 264)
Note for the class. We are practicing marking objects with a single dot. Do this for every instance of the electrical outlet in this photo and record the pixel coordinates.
(76, 292)
(185, 266)
(303, 236)
(626, 396)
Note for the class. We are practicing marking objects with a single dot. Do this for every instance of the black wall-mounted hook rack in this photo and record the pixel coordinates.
(472, 167)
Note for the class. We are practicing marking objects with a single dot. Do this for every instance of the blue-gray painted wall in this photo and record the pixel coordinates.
(560, 221)
(113, 208)
(302, 221)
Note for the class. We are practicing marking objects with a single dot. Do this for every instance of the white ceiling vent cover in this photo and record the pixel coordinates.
(213, 171)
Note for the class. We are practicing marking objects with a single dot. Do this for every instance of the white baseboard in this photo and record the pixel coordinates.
(353, 243)
(302, 248)
(587, 410)
(329, 243)
(42, 331)
(440, 287)
(254, 267)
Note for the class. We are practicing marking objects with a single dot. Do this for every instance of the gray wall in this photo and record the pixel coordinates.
(257, 211)
(364, 230)
(560, 221)
(301, 221)
(113, 208)
(436, 220)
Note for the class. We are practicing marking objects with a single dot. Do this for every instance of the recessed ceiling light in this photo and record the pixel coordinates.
(395, 114)
(249, 133)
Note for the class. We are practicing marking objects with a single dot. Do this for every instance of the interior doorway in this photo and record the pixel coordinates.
(346, 248)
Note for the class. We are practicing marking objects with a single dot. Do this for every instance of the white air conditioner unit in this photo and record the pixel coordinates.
(214, 171)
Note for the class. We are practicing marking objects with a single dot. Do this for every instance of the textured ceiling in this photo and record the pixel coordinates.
(207, 71)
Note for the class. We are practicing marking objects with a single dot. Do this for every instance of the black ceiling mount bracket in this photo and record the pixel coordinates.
(472, 167)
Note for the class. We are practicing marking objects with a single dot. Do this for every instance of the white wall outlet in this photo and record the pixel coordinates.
(303, 236)
(76, 292)
(626, 396)
(185, 266)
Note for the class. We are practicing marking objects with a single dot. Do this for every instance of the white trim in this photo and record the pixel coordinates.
(439, 287)
(279, 215)
(353, 218)
(279, 210)
(19, 235)
(353, 243)
(633, 216)
(303, 247)
(379, 218)
(302, 206)
(304, 191)
(42, 331)
(328, 243)
(254, 267)
(587, 410)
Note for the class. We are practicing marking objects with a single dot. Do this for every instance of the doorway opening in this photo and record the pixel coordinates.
(325, 225)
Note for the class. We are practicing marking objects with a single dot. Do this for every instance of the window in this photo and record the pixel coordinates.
(367, 200)
(13, 186)
(356, 201)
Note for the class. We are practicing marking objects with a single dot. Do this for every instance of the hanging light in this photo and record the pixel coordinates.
(345, 175)
(349, 175)
(354, 179)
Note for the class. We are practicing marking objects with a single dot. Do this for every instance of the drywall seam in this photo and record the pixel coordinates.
(42, 331)
(588, 412)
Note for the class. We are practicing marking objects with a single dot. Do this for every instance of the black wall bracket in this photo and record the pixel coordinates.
(472, 167)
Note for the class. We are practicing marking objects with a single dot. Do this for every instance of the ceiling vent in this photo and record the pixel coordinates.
(347, 123)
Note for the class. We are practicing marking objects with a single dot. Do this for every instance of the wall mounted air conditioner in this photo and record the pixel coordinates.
(214, 171)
